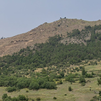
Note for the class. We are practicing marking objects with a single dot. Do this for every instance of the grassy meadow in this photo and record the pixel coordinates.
(79, 93)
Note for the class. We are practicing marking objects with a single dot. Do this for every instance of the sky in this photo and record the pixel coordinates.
(20, 16)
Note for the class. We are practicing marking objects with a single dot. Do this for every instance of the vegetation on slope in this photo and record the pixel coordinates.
(55, 53)
(18, 71)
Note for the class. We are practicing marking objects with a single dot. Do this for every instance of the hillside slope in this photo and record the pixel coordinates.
(56, 65)
(41, 34)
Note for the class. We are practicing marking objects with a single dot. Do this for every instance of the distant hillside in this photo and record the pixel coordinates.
(57, 51)
(61, 60)
(42, 33)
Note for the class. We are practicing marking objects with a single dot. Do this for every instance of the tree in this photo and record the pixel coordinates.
(82, 79)
(99, 93)
(23, 83)
(38, 99)
(11, 89)
(34, 85)
(22, 98)
(99, 81)
(83, 71)
(4, 96)
(69, 88)
(62, 74)
(70, 77)
(50, 85)
(8, 99)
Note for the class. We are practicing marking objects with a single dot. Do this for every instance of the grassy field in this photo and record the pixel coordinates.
(79, 93)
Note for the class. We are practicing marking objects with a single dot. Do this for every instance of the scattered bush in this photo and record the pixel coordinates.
(27, 91)
(83, 84)
(70, 78)
(99, 81)
(22, 98)
(84, 72)
(50, 85)
(96, 98)
(54, 98)
(38, 99)
(93, 73)
(88, 75)
(69, 88)
(5, 97)
(82, 79)
(34, 85)
(11, 89)
(60, 82)
(99, 93)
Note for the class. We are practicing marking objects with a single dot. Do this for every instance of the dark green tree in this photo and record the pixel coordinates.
(82, 79)
(4, 97)
(83, 71)
(34, 85)
(69, 88)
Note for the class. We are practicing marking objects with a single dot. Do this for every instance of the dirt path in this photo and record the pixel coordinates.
(28, 42)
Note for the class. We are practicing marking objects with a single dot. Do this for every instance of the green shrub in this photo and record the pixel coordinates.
(15, 99)
(60, 82)
(34, 85)
(50, 85)
(84, 72)
(54, 98)
(70, 78)
(82, 79)
(27, 91)
(83, 84)
(89, 75)
(22, 98)
(93, 73)
(7, 99)
(38, 99)
(95, 98)
(11, 89)
(4, 96)
(69, 88)
(99, 93)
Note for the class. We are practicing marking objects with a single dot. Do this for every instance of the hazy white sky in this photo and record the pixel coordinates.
(20, 16)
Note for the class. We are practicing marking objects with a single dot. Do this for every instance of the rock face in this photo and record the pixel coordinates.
(41, 34)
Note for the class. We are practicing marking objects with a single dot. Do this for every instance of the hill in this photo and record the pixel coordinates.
(42, 33)
(67, 63)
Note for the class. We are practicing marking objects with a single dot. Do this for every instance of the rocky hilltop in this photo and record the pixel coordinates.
(41, 34)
